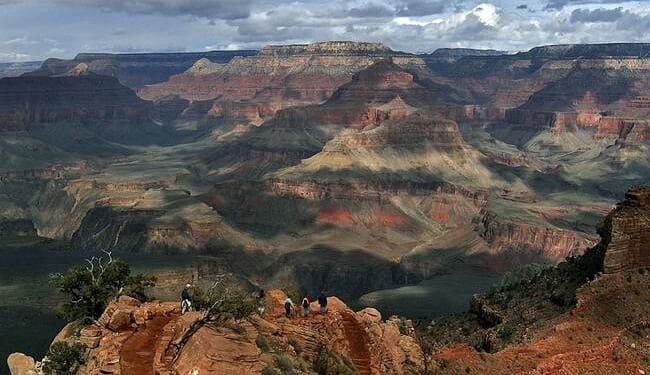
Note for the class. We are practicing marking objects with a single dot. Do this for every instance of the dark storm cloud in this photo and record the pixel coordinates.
(414, 8)
(559, 4)
(371, 10)
(596, 15)
(213, 9)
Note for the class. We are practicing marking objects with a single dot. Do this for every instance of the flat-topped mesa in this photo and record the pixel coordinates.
(578, 51)
(627, 233)
(137, 69)
(327, 48)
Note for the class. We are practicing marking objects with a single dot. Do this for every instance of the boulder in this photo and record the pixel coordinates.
(369, 316)
(121, 320)
(90, 336)
(21, 364)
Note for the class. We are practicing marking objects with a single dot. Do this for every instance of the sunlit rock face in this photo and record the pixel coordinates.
(629, 237)
(251, 89)
(608, 97)
(153, 338)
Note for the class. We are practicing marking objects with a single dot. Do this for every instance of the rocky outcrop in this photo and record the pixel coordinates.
(568, 319)
(136, 70)
(21, 364)
(154, 338)
(627, 233)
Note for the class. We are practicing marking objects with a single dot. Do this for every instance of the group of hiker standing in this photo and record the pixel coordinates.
(306, 305)
(187, 296)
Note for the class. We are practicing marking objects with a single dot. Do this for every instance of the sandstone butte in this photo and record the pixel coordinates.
(607, 331)
(253, 88)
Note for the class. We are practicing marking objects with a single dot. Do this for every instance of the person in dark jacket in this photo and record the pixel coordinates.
(306, 306)
(187, 296)
(288, 307)
(322, 301)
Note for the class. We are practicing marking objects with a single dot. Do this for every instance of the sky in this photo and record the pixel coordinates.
(33, 30)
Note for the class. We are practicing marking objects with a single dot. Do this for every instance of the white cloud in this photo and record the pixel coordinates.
(408, 25)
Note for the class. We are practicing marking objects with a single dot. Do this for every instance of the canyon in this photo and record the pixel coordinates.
(577, 317)
(339, 166)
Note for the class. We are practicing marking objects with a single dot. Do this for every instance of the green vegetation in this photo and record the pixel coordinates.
(262, 343)
(224, 303)
(270, 370)
(327, 362)
(285, 363)
(295, 344)
(88, 289)
(64, 358)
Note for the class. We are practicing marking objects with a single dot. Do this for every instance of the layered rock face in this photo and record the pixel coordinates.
(384, 92)
(146, 218)
(154, 338)
(136, 70)
(526, 240)
(609, 97)
(629, 234)
(31, 101)
(381, 140)
(282, 75)
(508, 81)
(569, 319)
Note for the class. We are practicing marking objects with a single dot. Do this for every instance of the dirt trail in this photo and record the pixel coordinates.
(137, 354)
(358, 340)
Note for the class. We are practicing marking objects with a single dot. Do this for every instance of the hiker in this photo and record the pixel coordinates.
(261, 301)
(186, 299)
(305, 306)
(288, 306)
(322, 301)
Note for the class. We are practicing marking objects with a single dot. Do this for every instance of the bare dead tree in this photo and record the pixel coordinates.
(222, 301)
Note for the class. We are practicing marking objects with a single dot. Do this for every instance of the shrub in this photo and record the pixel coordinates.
(506, 333)
(269, 370)
(88, 289)
(262, 343)
(295, 344)
(327, 362)
(285, 364)
(63, 358)
(224, 304)
(139, 284)
(321, 360)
